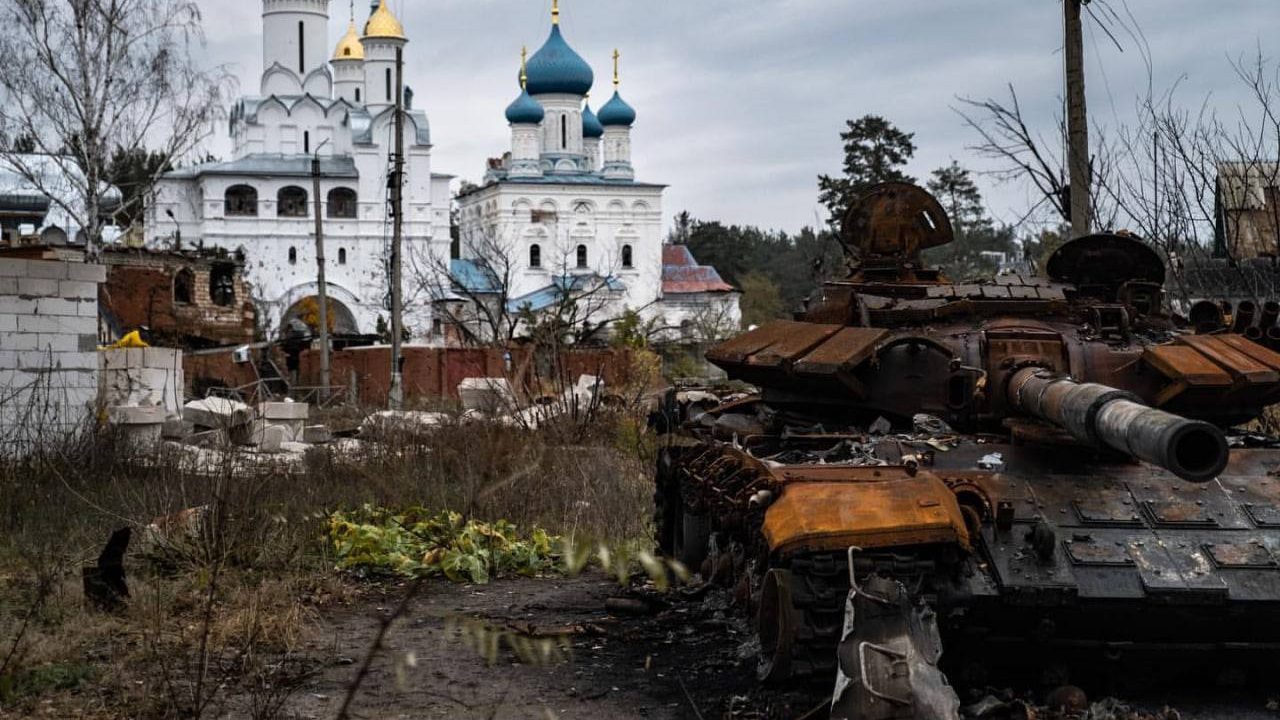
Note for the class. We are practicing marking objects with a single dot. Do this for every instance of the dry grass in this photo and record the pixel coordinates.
(220, 611)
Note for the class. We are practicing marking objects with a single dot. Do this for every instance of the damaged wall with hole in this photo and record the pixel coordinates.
(48, 349)
(192, 299)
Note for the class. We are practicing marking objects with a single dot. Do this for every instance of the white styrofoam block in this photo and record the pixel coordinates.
(37, 287)
(56, 306)
(87, 272)
(75, 289)
(51, 269)
(14, 268)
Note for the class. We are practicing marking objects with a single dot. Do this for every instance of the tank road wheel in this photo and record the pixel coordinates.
(776, 627)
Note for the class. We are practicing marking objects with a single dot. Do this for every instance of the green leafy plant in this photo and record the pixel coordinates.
(418, 543)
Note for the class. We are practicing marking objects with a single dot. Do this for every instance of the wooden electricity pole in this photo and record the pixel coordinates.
(395, 399)
(322, 291)
(1078, 165)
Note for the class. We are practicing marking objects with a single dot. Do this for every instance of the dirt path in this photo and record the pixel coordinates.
(691, 659)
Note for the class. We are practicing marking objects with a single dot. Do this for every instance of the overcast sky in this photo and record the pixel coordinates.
(741, 102)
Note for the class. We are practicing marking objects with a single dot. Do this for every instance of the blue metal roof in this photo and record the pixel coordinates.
(548, 296)
(474, 277)
(557, 68)
(591, 127)
(617, 112)
(525, 110)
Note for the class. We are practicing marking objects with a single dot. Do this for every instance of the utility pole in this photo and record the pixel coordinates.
(323, 288)
(1078, 165)
(395, 399)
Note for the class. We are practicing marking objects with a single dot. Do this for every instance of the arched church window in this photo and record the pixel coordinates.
(357, 94)
(184, 284)
(582, 256)
(241, 200)
(306, 141)
(222, 284)
(302, 48)
(342, 203)
(291, 202)
(564, 132)
(627, 257)
(293, 256)
(342, 256)
(535, 256)
(388, 84)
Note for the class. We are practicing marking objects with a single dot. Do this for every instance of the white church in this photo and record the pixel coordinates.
(562, 212)
(338, 107)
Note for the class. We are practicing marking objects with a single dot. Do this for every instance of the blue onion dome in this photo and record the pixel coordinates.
(617, 113)
(591, 127)
(556, 68)
(525, 110)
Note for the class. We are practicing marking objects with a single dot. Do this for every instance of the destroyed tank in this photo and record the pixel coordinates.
(933, 485)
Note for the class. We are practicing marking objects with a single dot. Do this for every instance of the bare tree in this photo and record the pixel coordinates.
(83, 79)
(475, 295)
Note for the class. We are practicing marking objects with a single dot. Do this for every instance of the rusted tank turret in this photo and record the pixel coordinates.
(1018, 476)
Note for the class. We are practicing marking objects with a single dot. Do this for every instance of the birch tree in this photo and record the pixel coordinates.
(83, 80)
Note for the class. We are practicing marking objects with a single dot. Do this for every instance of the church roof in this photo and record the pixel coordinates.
(383, 24)
(560, 287)
(617, 112)
(350, 47)
(591, 127)
(333, 166)
(681, 274)
(525, 110)
(557, 68)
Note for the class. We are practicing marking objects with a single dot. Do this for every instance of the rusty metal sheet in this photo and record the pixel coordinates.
(1108, 508)
(1186, 364)
(1179, 513)
(1232, 360)
(1100, 553)
(1248, 347)
(793, 345)
(735, 351)
(1181, 571)
(841, 352)
(1241, 556)
(900, 512)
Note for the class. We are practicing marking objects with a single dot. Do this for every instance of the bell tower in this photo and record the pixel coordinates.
(295, 34)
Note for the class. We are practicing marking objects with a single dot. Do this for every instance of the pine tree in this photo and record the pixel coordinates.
(874, 152)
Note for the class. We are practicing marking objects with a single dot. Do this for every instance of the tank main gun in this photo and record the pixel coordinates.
(1101, 415)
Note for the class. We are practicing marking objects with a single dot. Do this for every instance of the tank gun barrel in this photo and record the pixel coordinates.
(1097, 414)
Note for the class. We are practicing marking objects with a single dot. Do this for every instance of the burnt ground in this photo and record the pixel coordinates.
(692, 658)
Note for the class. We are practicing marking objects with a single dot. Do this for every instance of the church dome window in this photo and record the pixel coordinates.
(535, 256)
(343, 203)
(628, 257)
(241, 200)
(291, 202)
(582, 257)
(342, 256)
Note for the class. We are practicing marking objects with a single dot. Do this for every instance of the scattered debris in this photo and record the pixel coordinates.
(993, 461)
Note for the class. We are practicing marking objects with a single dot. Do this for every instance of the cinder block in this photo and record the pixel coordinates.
(48, 269)
(8, 323)
(135, 357)
(8, 286)
(87, 308)
(136, 415)
(35, 359)
(37, 287)
(58, 343)
(87, 342)
(74, 289)
(113, 360)
(161, 357)
(79, 360)
(56, 306)
(19, 341)
(284, 410)
(13, 268)
(87, 272)
(14, 305)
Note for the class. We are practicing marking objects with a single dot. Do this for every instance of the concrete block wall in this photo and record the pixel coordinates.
(48, 348)
(141, 377)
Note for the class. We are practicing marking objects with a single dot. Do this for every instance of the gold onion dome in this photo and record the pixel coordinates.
(382, 24)
(350, 47)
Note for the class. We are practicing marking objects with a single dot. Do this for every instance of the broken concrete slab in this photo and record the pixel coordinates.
(218, 413)
(208, 438)
(137, 415)
(490, 395)
(271, 440)
(316, 435)
(295, 411)
(176, 428)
